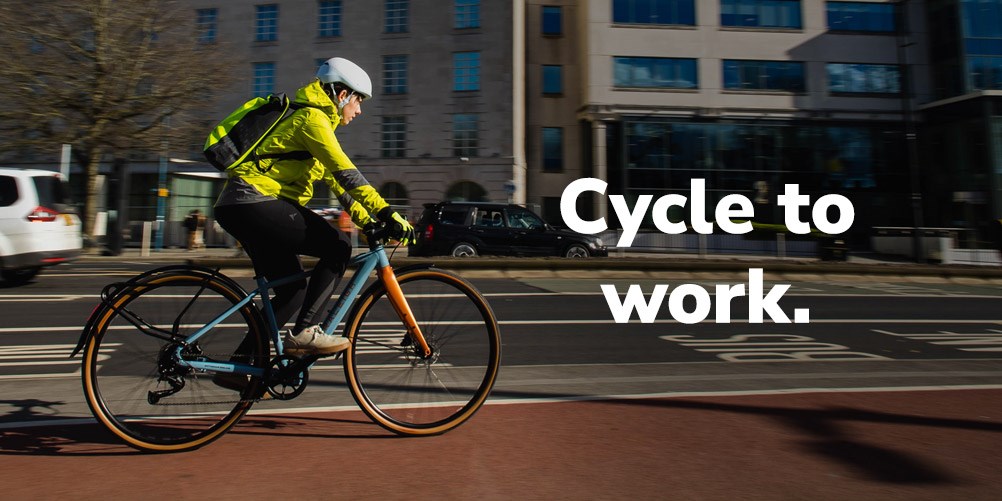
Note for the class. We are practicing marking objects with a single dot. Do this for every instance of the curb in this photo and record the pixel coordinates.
(667, 264)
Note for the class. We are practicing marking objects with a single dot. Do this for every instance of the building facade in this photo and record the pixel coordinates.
(894, 104)
(446, 81)
(748, 95)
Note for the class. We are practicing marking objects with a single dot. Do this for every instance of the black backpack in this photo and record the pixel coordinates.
(237, 137)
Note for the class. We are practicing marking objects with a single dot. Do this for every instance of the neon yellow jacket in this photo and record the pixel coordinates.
(311, 129)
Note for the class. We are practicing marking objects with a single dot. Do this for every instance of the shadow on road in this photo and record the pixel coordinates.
(826, 436)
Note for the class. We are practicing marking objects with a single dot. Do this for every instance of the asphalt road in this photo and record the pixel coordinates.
(561, 344)
(560, 339)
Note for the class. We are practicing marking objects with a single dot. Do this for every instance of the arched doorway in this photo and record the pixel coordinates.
(466, 191)
(395, 194)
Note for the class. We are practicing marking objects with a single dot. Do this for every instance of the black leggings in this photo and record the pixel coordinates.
(274, 234)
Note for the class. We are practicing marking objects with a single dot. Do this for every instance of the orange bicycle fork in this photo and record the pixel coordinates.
(399, 302)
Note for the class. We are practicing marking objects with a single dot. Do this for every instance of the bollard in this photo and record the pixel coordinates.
(147, 230)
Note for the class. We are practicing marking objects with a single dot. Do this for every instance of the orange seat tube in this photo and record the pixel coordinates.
(403, 309)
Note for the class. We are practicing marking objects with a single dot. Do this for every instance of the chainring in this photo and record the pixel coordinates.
(286, 379)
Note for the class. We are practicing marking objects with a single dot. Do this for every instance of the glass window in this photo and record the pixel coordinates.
(489, 217)
(466, 71)
(553, 149)
(264, 79)
(982, 18)
(397, 14)
(764, 75)
(864, 78)
(678, 12)
(761, 13)
(553, 20)
(266, 23)
(553, 79)
(655, 72)
(467, 14)
(465, 135)
(8, 191)
(329, 19)
(207, 25)
(395, 74)
(52, 192)
(524, 220)
(455, 214)
(394, 137)
(985, 72)
(861, 16)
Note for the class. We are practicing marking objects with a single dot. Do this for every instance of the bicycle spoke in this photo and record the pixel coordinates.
(408, 393)
(134, 381)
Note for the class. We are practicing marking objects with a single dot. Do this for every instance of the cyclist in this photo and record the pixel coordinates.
(263, 203)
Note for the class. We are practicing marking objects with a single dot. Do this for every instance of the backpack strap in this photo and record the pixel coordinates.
(287, 155)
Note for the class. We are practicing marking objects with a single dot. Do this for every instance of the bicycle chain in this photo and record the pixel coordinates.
(240, 401)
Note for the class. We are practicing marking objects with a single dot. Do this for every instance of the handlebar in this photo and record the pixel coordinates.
(377, 234)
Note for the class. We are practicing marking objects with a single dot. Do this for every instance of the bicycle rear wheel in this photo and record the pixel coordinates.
(400, 390)
(131, 380)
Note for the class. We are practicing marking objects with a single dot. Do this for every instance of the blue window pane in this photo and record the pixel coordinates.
(266, 24)
(553, 149)
(982, 18)
(985, 73)
(668, 12)
(864, 78)
(206, 22)
(761, 13)
(861, 16)
(395, 74)
(686, 13)
(397, 15)
(467, 14)
(553, 20)
(329, 19)
(465, 135)
(466, 71)
(264, 79)
(764, 75)
(553, 79)
(983, 46)
(655, 72)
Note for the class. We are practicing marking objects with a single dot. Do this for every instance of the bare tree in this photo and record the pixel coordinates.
(103, 76)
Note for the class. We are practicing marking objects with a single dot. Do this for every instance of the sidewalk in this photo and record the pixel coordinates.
(882, 267)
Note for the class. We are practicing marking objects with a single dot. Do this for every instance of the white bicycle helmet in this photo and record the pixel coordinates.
(340, 70)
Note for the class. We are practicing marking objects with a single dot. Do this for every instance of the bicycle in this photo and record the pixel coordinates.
(424, 355)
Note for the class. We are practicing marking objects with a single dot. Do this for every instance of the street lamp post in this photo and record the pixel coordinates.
(911, 135)
(162, 191)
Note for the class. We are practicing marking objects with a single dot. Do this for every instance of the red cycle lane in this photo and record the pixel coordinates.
(852, 445)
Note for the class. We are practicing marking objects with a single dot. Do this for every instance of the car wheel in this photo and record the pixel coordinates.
(20, 276)
(577, 250)
(464, 249)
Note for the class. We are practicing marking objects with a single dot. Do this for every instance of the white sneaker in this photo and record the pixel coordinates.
(313, 341)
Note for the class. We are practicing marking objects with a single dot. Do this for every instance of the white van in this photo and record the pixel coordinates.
(38, 227)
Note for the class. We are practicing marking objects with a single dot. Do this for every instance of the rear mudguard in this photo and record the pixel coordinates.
(111, 292)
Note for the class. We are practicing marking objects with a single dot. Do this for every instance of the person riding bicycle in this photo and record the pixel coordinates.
(263, 204)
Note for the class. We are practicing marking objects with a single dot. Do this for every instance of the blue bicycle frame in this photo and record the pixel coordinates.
(365, 264)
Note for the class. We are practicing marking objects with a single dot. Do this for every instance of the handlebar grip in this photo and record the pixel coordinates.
(377, 234)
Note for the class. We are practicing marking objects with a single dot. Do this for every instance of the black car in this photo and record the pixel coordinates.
(465, 229)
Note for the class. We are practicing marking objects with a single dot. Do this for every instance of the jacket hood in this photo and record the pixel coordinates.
(313, 95)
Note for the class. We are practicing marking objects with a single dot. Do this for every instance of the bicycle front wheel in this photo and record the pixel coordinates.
(407, 393)
(131, 378)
